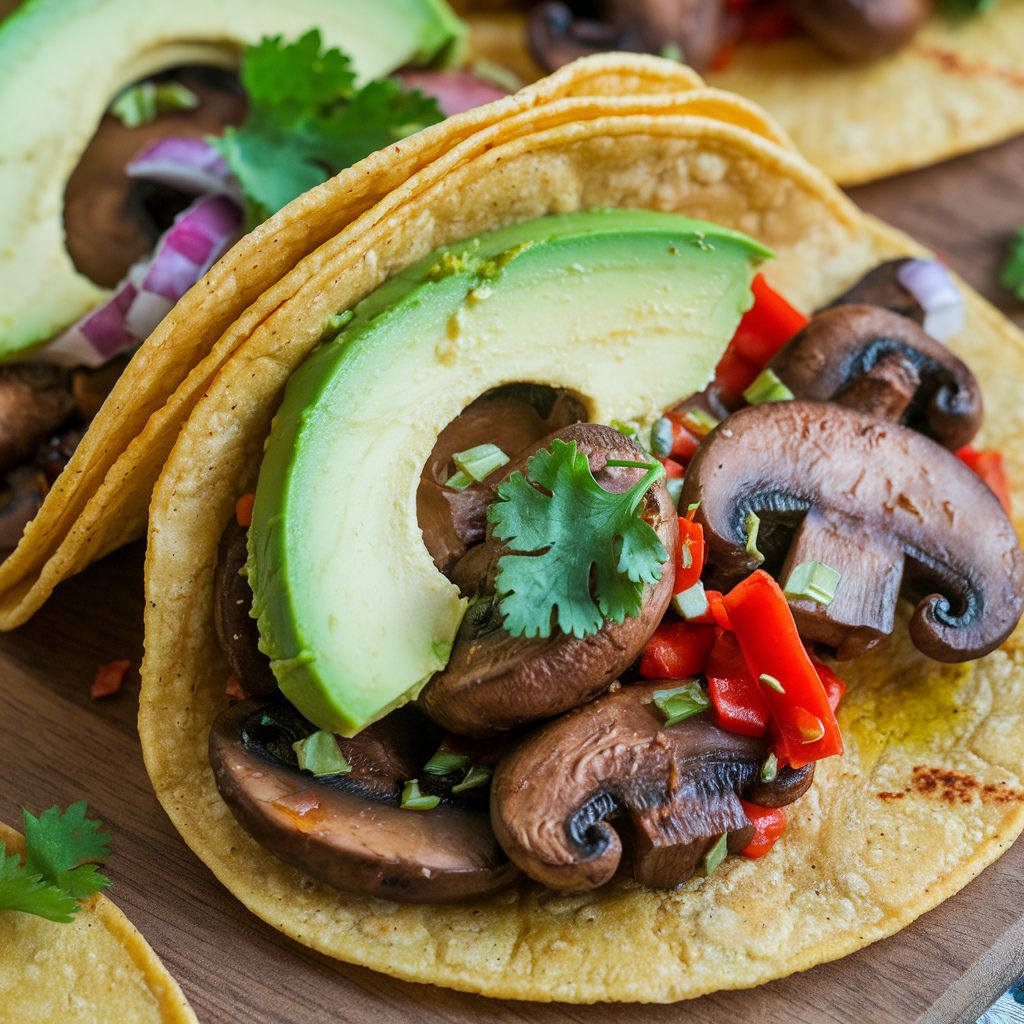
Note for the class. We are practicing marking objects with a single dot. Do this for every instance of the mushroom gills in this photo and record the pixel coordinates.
(674, 789)
(349, 830)
(494, 681)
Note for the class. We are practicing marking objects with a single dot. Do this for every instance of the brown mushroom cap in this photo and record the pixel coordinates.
(861, 29)
(882, 504)
(349, 830)
(679, 786)
(828, 359)
(645, 26)
(35, 400)
(494, 681)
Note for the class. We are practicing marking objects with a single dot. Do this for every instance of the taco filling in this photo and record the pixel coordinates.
(550, 537)
(180, 163)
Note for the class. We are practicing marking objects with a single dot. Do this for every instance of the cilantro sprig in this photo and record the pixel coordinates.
(308, 119)
(58, 869)
(579, 555)
(1012, 274)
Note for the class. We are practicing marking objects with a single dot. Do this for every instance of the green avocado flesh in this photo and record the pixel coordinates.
(629, 310)
(64, 61)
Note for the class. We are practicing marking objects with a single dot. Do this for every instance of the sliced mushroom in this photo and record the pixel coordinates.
(888, 508)
(678, 785)
(861, 29)
(914, 379)
(35, 400)
(494, 681)
(882, 286)
(513, 418)
(350, 830)
(25, 488)
(647, 26)
(236, 628)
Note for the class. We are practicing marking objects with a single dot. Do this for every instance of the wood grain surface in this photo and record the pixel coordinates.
(57, 745)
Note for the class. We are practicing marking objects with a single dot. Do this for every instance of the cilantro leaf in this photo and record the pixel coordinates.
(579, 554)
(1012, 274)
(965, 8)
(56, 872)
(307, 120)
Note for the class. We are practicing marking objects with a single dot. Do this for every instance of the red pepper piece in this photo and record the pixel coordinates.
(677, 650)
(768, 23)
(689, 554)
(716, 602)
(834, 686)
(684, 442)
(672, 469)
(738, 703)
(769, 823)
(734, 374)
(771, 645)
(989, 466)
(243, 510)
(109, 678)
(233, 690)
(767, 325)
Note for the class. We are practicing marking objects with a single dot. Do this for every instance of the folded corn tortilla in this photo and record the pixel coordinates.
(930, 789)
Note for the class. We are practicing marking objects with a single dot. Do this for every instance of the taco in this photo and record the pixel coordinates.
(523, 716)
(172, 138)
(94, 968)
(865, 89)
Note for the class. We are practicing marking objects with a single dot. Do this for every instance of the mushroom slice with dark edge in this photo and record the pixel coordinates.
(886, 507)
(350, 830)
(869, 358)
(35, 401)
(861, 29)
(495, 681)
(678, 785)
(882, 286)
(692, 27)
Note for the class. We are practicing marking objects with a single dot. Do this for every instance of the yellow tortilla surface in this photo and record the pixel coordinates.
(930, 790)
(958, 86)
(96, 970)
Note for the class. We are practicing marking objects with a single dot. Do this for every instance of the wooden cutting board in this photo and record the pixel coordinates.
(57, 746)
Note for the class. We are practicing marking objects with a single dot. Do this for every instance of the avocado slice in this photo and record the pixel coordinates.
(629, 310)
(64, 61)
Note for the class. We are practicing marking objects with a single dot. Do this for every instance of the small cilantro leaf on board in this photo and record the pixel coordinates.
(578, 554)
(1012, 274)
(60, 847)
(965, 8)
(307, 120)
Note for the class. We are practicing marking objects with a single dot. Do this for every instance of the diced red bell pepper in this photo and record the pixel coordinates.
(736, 698)
(768, 23)
(771, 645)
(716, 602)
(672, 469)
(769, 823)
(233, 690)
(689, 554)
(677, 650)
(109, 679)
(733, 375)
(243, 510)
(989, 466)
(834, 686)
(767, 325)
(684, 442)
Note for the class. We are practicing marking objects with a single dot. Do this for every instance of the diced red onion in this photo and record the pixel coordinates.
(191, 165)
(455, 91)
(194, 242)
(929, 282)
(99, 335)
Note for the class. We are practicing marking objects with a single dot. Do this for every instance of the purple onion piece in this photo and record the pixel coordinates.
(929, 282)
(190, 165)
(98, 336)
(455, 91)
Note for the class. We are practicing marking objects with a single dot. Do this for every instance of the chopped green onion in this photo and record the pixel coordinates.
(716, 853)
(414, 800)
(319, 753)
(692, 507)
(444, 762)
(661, 437)
(691, 603)
(770, 768)
(771, 682)
(672, 51)
(682, 702)
(674, 486)
(459, 481)
(700, 421)
(753, 525)
(767, 388)
(629, 429)
(140, 104)
(812, 581)
(480, 462)
(496, 74)
(478, 775)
